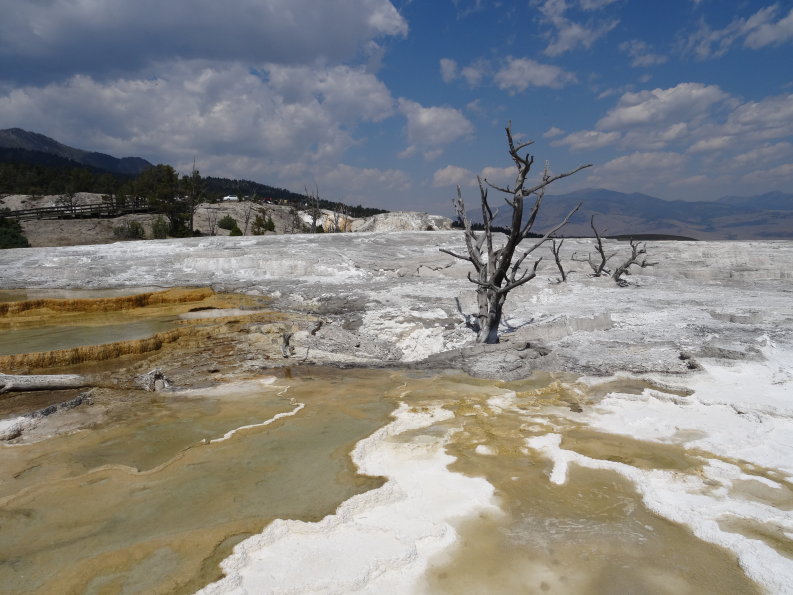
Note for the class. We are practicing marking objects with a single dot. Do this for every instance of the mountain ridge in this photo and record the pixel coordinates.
(765, 216)
(17, 138)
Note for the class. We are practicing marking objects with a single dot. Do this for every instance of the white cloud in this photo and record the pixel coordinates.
(643, 162)
(777, 175)
(229, 112)
(682, 102)
(475, 72)
(716, 143)
(762, 31)
(641, 53)
(433, 127)
(552, 132)
(704, 116)
(516, 75)
(474, 106)
(757, 31)
(595, 4)
(468, 7)
(588, 139)
(762, 155)
(520, 73)
(356, 180)
(639, 170)
(698, 180)
(346, 92)
(448, 70)
(501, 176)
(61, 38)
(451, 175)
(675, 135)
(567, 35)
(769, 118)
(655, 138)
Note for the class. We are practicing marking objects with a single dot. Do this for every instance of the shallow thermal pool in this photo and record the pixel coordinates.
(454, 495)
(41, 321)
(102, 328)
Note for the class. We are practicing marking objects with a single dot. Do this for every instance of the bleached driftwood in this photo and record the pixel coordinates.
(9, 382)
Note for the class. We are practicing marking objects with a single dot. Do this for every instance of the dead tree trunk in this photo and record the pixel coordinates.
(598, 269)
(248, 213)
(212, 220)
(556, 249)
(495, 272)
(637, 251)
(313, 207)
(14, 382)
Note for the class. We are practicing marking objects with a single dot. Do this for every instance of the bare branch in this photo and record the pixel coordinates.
(486, 284)
(554, 229)
(460, 256)
(527, 276)
(499, 188)
(599, 269)
(637, 250)
(553, 179)
(556, 249)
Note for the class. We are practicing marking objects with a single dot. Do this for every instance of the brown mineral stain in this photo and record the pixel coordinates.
(592, 534)
(142, 503)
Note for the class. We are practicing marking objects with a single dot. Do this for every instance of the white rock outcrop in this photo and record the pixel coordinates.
(402, 221)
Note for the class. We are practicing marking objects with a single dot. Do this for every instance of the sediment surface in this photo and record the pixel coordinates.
(659, 445)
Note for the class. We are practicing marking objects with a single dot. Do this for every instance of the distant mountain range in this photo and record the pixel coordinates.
(31, 147)
(764, 216)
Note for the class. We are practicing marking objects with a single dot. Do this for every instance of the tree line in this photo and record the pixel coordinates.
(174, 196)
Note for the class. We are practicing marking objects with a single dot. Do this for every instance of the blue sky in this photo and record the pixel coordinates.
(392, 104)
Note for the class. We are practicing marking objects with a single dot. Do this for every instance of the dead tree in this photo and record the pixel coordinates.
(212, 220)
(638, 251)
(193, 188)
(295, 223)
(556, 249)
(341, 218)
(251, 208)
(495, 272)
(313, 207)
(598, 268)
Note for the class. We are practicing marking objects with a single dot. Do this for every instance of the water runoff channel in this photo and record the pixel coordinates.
(318, 479)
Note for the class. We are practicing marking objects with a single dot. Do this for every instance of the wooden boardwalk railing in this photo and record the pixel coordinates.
(93, 210)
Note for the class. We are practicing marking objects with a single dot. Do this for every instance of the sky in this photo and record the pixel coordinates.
(394, 104)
